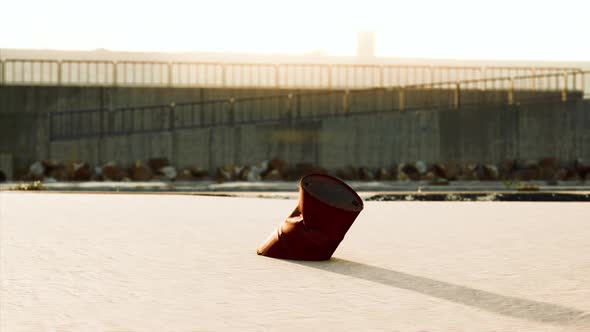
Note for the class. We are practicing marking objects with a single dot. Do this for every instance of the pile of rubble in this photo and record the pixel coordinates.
(155, 169)
(160, 169)
(546, 169)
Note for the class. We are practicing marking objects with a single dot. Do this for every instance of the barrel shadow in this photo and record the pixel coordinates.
(500, 304)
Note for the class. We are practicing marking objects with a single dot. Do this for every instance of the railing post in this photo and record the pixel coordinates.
(511, 92)
(277, 76)
(346, 101)
(564, 88)
(484, 77)
(50, 135)
(401, 99)
(457, 96)
(3, 76)
(170, 75)
(114, 63)
(223, 75)
(232, 116)
(59, 74)
(172, 130)
(330, 71)
(101, 126)
(289, 105)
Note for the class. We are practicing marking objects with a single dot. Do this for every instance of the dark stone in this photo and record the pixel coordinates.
(223, 174)
(547, 168)
(82, 172)
(169, 172)
(347, 173)
(185, 175)
(273, 175)
(139, 172)
(383, 174)
(198, 173)
(583, 169)
(366, 175)
(113, 172)
(409, 171)
(158, 163)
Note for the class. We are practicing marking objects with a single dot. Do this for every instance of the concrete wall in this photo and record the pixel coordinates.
(52, 98)
(6, 166)
(372, 135)
(480, 134)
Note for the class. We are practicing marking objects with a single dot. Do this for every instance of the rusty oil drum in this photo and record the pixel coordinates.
(326, 210)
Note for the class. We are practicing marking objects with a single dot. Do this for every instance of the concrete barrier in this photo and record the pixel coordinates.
(371, 134)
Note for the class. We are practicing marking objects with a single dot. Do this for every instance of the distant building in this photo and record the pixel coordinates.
(365, 46)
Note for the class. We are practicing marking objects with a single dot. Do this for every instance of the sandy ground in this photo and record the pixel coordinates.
(83, 262)
(292, 186)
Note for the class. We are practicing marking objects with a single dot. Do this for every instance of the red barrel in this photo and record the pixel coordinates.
(326, 210)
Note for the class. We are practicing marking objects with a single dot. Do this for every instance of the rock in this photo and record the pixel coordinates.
(257, 172)
(507, 169)
(302, 169)
(469, 172)
(81, 172)
(410, 171)
(37, 170)
(139, 172)
(223, 174)
(383, 174)
(365, 174)
(169, 172)
(185, 175)
(421, 166)
(113, 172)
(49, 180)
(198, 173)
(49, 165)
(429, 176)
(439, 182)
(572, 171)
(492, 172)
(158, 163)
(159, 178)
(97, 174)
(273, 175)
(401, 176)
(527, 171)
(237, 170)
(548, 162)
(547, 168)
(487, 172)
(449, 170)
(62, 173)
(583, 169)
(251, 174)
(439, 170)
(561, 175)
(347, 173)
(278, 164)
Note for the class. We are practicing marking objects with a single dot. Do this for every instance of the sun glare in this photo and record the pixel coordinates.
(448, 29)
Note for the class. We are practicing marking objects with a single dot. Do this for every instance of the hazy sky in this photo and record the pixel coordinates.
(498, 29)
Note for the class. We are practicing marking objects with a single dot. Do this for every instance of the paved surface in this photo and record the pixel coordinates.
(291, 186)
(84, 262)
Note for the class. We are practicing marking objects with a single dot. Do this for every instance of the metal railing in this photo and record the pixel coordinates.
(66, 125)
(244, 75)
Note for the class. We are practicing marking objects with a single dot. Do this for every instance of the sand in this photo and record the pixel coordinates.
(125, 262)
